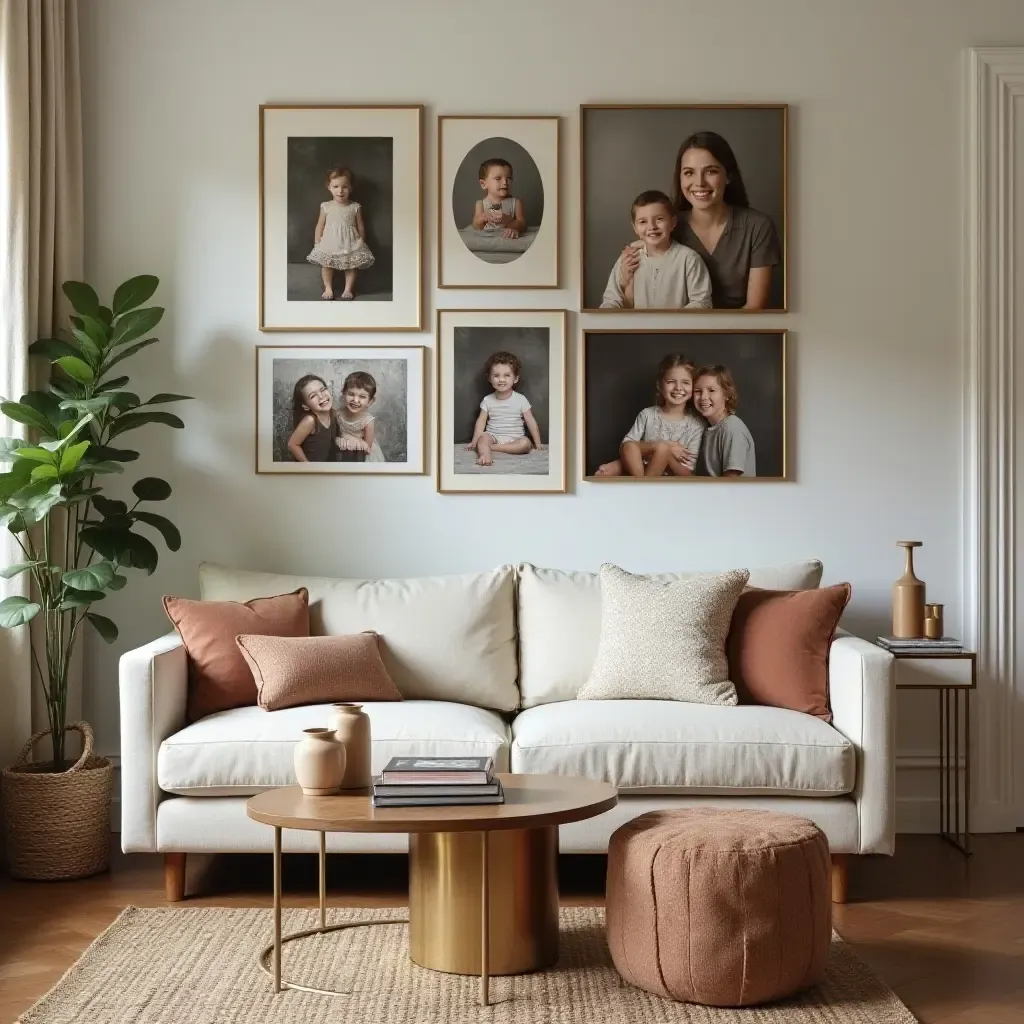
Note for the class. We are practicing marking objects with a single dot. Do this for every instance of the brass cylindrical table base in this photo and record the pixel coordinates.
(446, 893)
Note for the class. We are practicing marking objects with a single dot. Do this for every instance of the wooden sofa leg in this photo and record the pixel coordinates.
(840, 877)
(174, 877)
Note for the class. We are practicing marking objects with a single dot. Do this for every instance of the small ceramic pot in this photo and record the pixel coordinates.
(319, 762)
(351, 725)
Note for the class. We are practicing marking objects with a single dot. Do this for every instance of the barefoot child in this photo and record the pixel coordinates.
(499, 212)
(728, 447)
(314, 427)
(505, 414)
(357, 425)
(665, 438)
(339, 240)
(668, 275)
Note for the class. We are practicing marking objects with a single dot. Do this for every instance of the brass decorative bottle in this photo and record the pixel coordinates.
(908, 597)
(933, 625)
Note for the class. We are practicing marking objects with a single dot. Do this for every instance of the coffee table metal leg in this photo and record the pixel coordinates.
(277, 909)
(485, 921)
(323, 879)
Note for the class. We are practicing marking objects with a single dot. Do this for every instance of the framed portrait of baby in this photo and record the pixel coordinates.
(340, 218)
(684, 405)
(340, 409)
(497, 202)
(684, 208)
(501, 401)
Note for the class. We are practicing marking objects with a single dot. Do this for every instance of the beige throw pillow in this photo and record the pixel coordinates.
(664, 641)
(290, 671)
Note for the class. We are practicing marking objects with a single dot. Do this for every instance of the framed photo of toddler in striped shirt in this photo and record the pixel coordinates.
(501, 401)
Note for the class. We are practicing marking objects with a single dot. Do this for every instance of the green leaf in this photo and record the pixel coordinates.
(113, 384)
(88, 347)
(131, 420)
(109, 543)
(106, 314)
(16, 611)
(76, 497)
(11, 444)
(134, 292)
(124, 400)
(52, 348)
(139, 553)
(117, 583)
(13, 481)
(21, 413)
(82, 297)
(102, 452)
(36, 499)
(96, 404)
(45, 473)
(96, 329)
(129, 326)
(98, 468)
(104, 626)
(45, 402)
(129, 351)
(71, 456)
(80, 599)
(151, 488)
(109, 506)
(77, 369)
(92, 577)
(10, 571)
(167, 529)
(164, 398)
(68, 429)
(37, 455)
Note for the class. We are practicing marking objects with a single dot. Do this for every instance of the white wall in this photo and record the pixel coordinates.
(172, 89)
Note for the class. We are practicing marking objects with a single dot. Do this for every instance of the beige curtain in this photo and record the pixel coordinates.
(41, 246)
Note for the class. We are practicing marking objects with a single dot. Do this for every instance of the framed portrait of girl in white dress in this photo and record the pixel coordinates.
(340, 218)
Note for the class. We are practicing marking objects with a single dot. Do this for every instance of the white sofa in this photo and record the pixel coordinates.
(490, 663)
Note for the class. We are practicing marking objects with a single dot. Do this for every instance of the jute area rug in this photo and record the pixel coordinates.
(199, 965)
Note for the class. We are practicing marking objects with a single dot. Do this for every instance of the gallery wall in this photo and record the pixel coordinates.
(874, 395)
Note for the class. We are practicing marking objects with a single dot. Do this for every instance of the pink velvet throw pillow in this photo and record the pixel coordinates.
(778, 646)
(290, 671)
(219, 677)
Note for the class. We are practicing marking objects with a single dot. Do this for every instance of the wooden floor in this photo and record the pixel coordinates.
(946, 933)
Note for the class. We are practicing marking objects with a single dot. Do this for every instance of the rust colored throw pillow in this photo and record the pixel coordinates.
(317, 669)
(219, 677)
(778, 647)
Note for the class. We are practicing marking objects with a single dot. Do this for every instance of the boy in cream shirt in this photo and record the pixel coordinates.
(669, 275)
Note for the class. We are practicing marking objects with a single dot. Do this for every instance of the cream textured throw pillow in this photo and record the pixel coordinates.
(664, 641)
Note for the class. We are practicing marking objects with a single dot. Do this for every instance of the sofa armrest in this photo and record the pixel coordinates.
(153, 683)
(863, 710)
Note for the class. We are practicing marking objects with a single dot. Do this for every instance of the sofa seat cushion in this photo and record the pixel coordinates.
(246, 750)
(667, 747)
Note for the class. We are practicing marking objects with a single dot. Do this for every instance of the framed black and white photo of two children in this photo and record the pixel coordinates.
(501, 388)
(355, 409)
(341, 237)
(684, 405)
(497, 201)
(684, 207)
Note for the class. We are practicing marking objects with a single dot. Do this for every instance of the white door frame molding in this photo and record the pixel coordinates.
(994, 94)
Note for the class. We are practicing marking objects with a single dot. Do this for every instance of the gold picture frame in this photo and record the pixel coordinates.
(401, 415)
(381, 146)
(626, 149)
(471, 258)
(758, 361)
(466, 338)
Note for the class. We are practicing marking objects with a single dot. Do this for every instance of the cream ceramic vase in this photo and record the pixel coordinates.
(319, 762)
(351, 725)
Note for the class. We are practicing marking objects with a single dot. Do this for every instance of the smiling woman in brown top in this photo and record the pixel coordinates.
(738, 244)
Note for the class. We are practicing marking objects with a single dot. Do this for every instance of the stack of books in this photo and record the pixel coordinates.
(437, 782)
(921, 645)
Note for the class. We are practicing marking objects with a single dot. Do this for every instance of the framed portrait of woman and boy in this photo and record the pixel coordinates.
(340, 218)
(683, 208)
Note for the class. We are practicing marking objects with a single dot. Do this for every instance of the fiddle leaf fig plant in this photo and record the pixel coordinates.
(76, 541)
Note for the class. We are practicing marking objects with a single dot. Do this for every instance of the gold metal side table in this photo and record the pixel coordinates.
(954, 676)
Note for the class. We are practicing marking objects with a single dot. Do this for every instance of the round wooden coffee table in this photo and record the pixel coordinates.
(483, 879)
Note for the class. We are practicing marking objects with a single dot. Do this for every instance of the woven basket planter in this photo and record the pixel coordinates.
(57, 824)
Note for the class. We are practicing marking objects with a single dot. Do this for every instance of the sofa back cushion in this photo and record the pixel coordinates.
(560, 623)
(442, 637)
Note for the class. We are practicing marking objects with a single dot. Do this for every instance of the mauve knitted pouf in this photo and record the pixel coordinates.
(719, 907)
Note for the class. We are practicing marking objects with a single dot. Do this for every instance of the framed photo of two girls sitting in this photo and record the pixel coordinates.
(684, 208)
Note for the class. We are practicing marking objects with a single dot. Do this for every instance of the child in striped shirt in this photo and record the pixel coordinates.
(505, 415)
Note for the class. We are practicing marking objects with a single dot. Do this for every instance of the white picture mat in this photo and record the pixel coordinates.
(538, 266)
(448, 321)
(404, 311)
(415, 409)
